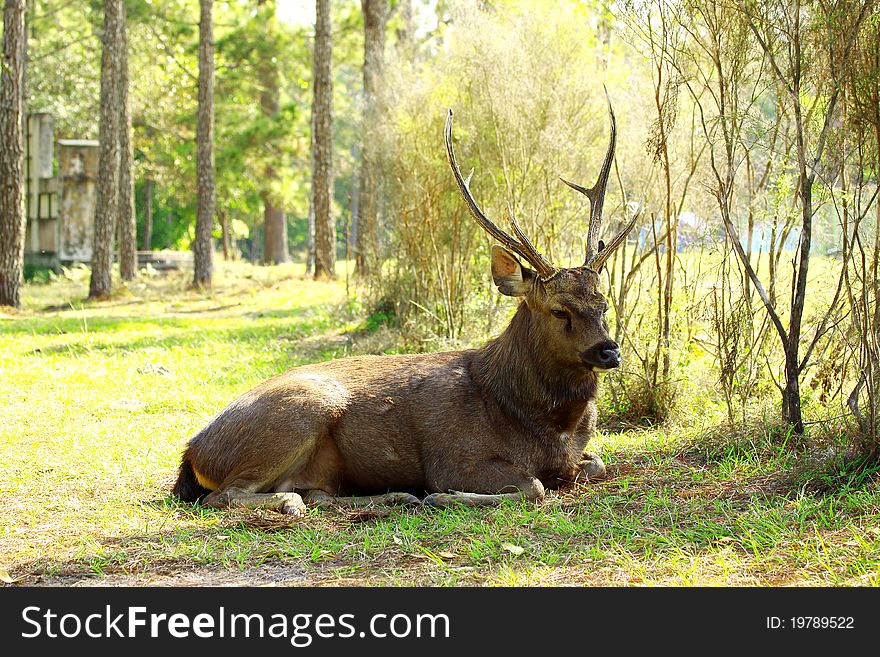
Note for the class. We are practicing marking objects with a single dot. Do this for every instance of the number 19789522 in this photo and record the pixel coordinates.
(810, 623)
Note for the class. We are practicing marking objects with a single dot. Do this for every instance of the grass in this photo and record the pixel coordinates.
(99, 399)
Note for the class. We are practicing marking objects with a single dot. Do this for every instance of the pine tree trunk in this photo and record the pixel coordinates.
(310, 240)
(375, 18)
(203, 249)
(355, 197)
(147, 237)
(310, 219)
(224, 228)
(127, 227)
(107, 198)
(12, 216)
(275, 249)
(25, 58)
(274, 229)
(325, 233)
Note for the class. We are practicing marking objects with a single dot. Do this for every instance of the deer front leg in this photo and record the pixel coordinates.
(457, 497)
(289, 503)
(509, 482)
(323, 499)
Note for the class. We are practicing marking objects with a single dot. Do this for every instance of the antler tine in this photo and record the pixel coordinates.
(613, 244)
(523, 248)
(536, 258)
(596, 193)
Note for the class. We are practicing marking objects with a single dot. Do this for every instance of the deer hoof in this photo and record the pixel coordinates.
(403, 499)
(437, 499)
(293, 506)
(593, 468)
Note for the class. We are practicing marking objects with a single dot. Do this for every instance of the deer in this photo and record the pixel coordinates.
(505, 421)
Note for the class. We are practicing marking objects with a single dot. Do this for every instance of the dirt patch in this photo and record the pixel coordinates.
(274, 574)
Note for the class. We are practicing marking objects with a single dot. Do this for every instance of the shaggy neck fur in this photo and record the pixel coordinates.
(528, 384)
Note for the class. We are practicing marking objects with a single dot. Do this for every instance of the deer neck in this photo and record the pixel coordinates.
(528, 383)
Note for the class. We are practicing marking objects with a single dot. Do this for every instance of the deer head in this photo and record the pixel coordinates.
(566, 304)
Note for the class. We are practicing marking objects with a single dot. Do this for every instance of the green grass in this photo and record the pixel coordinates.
(98, 399)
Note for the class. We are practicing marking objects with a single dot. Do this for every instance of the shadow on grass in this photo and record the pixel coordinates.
(224, 547)
(645, 509)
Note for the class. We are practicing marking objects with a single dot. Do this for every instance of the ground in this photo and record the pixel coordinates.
(99, 399)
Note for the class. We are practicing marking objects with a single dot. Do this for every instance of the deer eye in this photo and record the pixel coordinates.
(559, 314)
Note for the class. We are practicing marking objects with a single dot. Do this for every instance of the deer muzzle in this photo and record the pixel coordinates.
(603, 356)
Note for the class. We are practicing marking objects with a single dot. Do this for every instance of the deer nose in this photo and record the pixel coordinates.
(609, 356)
(603, 356)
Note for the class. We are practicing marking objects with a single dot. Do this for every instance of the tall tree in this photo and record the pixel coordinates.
(127, 234)
(147, 236)
(12, 217)
(107, 201)
(310, 219)
(310, 238)
(275, 249)
(863, 279)
(202, 245)
(375, 19)
(783, 32)
(322, 144)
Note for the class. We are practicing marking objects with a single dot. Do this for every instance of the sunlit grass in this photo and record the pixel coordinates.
(98, 399)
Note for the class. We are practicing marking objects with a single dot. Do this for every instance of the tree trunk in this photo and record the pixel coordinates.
(147, 237)
(310, 240)
(203, 248)
(274, 230)
(322, 145)
(127, 226)
(791, 394)
(25, 58)
(12, 216)
(275, 250)
(375, 18)
(107, 199)
(355, 197)
(310, 220)
(224, 228)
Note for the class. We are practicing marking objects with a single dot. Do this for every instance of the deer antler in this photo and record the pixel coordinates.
(522, 246)
(605, 253)
(596, 257)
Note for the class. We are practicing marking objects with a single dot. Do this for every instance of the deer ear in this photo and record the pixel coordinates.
(512, 278)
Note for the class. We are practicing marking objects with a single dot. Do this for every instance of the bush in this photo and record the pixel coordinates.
(39, 274)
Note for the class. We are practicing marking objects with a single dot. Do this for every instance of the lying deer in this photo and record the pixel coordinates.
(479, 426)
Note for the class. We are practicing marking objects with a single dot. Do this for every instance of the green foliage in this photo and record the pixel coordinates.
(171, 221)
(64, 61)
(38, 274)
(521, 120)
(251, 44)
(383, 315)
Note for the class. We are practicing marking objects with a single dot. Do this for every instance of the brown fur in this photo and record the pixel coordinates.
(512, 417)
